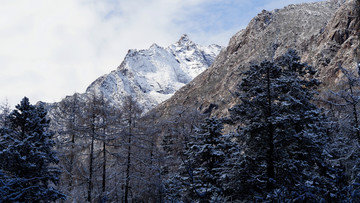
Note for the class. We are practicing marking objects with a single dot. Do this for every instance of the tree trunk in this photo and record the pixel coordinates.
(104, 170)
(90, 186)
(71, 161)
(128, 170)
(356, 120)
(127, 181)
(270, 171)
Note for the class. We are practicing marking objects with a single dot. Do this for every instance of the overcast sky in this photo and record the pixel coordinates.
(50, 49)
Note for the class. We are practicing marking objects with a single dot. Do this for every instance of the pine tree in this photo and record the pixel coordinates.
(346, 102)
(27, 157)
(282, 133)
(204, 171)
(4, 114)
(344, 148)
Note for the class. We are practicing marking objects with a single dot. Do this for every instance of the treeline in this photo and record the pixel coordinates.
(276, 145)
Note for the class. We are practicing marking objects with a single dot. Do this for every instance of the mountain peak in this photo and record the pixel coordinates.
(154, 46)
(185, 40)
(153, 75)
(184, 37)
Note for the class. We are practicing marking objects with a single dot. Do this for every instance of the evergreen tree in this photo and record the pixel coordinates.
(4, 114)
(27, 158)
(282, 133)
(344, 148)
(204, 171)
(346, 102)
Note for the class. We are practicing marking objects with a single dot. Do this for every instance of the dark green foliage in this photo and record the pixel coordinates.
(27, 158)
(282, 133)
(206, 169)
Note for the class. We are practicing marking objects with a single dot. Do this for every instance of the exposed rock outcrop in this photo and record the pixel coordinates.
(324, 33)
(337, 44)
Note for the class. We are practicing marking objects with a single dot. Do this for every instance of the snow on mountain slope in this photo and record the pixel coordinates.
(153, 75)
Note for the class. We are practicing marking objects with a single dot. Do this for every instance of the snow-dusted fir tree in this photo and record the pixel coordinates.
(282, 133)
(346, 102)
(4, 114)
(27, 158)
(206, 163)
(345, 149)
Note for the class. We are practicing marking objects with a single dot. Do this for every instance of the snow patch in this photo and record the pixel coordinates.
(155, 74)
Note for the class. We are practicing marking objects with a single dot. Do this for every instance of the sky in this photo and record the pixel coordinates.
(51, 49)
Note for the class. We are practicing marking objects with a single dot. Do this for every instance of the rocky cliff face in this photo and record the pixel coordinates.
(153, 75)
(336, 44)
(324, 33)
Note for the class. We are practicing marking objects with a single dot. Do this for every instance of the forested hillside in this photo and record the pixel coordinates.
(275, 118)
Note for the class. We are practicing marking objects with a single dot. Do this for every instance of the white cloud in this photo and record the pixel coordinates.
(49, 49)
(52, 48)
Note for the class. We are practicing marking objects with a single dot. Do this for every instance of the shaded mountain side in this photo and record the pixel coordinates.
(313, 29)
(337, 44)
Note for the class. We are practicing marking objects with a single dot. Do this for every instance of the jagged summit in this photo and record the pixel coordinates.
(185, 41)
(184, 38)
(154, 46)
(324, 33)
(155, 74)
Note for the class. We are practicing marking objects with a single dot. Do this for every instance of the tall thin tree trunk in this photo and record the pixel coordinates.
(127, 181)
(72, 153)
(116, 188)
(160, 188)
(104, 168)
(71, 161)
(270, 154)
(356, 120)
(90, 186)
(128, 170)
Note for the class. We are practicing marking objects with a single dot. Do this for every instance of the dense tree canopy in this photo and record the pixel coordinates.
(281, 131)
(27, 158)
(207, 166)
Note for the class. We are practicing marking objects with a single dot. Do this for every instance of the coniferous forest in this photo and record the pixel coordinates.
(282, 141)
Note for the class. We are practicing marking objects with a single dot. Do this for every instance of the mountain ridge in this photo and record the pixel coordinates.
(153, 75)
(268, 35)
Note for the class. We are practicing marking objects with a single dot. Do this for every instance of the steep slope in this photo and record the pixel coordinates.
(337, 44)
(305, 27)
(153, 75)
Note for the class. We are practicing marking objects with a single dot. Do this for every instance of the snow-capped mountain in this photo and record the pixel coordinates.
(155, 74)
